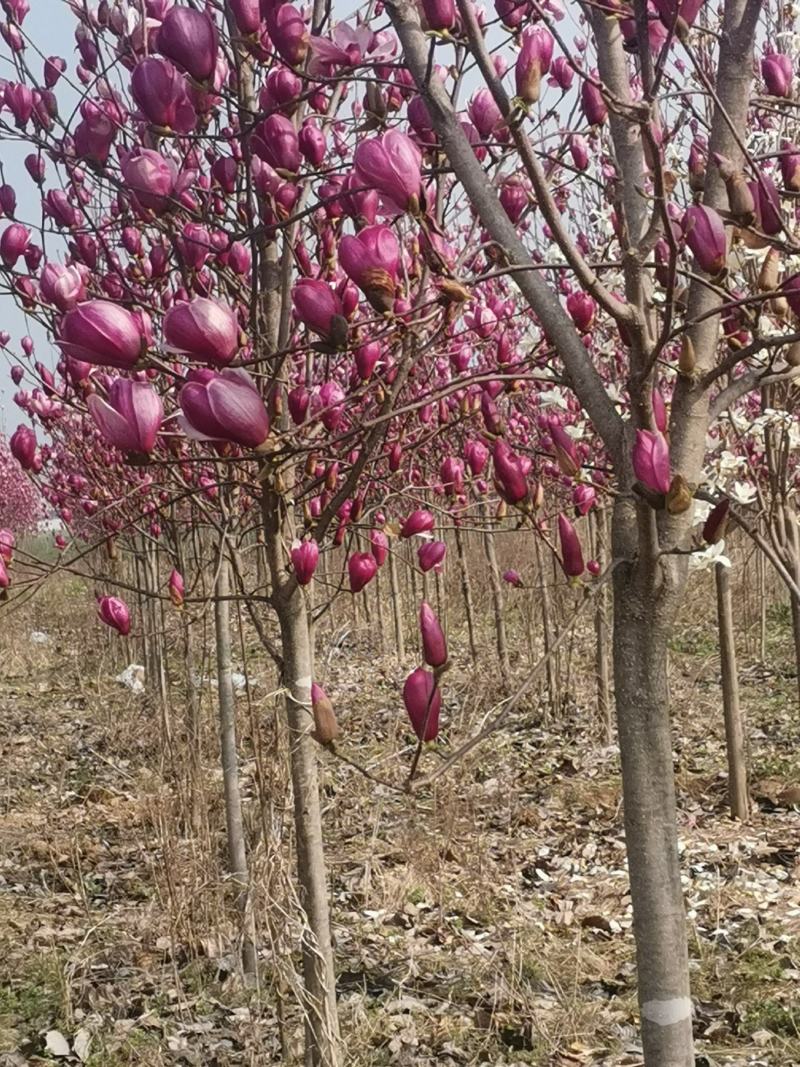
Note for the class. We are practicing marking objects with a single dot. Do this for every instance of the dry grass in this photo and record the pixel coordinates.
(484, 920)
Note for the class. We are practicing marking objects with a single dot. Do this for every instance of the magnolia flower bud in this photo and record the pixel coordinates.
(510, 472)
(379, 544)
(431, 555)
(439, 15)
(22, 444)
(513, 578)
(114, 613)
(131, 416)
(651, 460)
(423, 701)
(103, 334)
(224, 406)
(361, 568)
(326, 729)
(305, 556)
(434, 643)
(533, 62)
(571, 553)
(203, 329)
(391, 164)
(176, 588)
(418, 522)
(778, 73)
(189, 38)
(705, 235)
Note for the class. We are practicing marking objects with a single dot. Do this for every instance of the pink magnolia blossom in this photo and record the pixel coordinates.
(372, 260)
(176, 587)
(434, 643)
(361, 568)
(102, 333)
(115, 613)
(571, 552)
(423, 700)
(391, 164)
(305, 557)
(651, 460)
(131, 416)
(223, 406)
(203, 329)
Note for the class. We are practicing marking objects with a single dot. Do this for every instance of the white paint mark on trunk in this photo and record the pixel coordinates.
(667, 1012)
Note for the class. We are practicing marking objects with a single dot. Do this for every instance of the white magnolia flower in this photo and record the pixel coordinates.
(709, 557)
(702, 509)
(552, 398)
(743, 492)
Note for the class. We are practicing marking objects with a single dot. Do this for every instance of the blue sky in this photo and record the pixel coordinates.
(51, 27)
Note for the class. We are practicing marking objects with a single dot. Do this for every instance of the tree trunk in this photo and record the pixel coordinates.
(598, 524)
(319, 976)
(318, 969)
(237, 850)
(793, 566)
(466, 590)
(734, 731)
(397, 607)
(643, 615)
(547, 635)
(497, 598)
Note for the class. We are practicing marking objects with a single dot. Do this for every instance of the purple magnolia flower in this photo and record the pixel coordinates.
(305, 557)
(62, 286)
(511, 473)
(176, 588)
(103, 334)
(778, 74)
(571, 552)
(705, 235)
(131, 416)
(372, 260)
(533, 62)
(581, 308)
(13, 243)
(159, 92)
(348, 47)
(22, 444)
(151, 178)
(594, 106)
(361, 569)
(288, 32)
(440, 15)
(418, 522)
(379, 545)
(114, 612)
(434, 643)
(223, 406)
(277, 143)
(391, 164)
(319, 308)
(431, 555)
(451, 473)
(651, 460)
(247, 14)
(423, 700)
(477, 455)
(203, 329)
(189, 38)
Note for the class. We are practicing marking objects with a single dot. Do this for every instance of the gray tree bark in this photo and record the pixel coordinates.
(734, 728)
(319, 976)
(237, 848)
